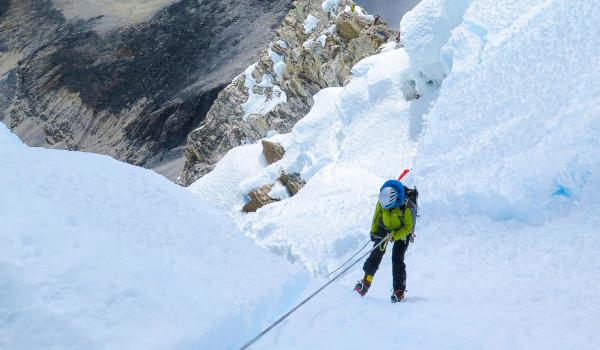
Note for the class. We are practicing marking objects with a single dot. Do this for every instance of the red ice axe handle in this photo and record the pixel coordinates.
(406, 171)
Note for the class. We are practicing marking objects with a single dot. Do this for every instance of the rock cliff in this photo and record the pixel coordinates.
(127, 79)
(315, 47)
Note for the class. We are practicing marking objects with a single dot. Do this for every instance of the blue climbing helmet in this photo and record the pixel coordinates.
(391, 194)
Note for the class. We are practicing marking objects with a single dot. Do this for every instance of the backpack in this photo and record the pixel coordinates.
(412, 197)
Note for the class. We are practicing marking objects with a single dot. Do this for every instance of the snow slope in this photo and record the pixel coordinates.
(503, 141)
(488, 285)
(99, 254)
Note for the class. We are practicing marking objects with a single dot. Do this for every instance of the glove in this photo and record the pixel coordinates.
(390, 236)
(412, 237)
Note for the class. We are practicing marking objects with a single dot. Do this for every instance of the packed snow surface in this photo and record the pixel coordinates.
(503, 139)
(98, 254)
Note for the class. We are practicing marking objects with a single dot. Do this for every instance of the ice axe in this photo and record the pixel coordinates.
(406, 171)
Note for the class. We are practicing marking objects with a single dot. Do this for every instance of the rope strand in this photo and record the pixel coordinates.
(311, 296)
(347, 261)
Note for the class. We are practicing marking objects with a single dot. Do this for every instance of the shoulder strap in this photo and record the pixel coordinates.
(402, 209)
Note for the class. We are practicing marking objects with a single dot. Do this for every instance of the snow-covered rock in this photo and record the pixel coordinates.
(390, 11)
(292, 182)
(258, 198)
(310, 23)
(307, 55)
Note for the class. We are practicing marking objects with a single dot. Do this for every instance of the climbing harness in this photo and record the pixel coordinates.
(247, 345)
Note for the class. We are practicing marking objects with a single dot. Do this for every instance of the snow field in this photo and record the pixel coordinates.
(98, 254)
(488, 285)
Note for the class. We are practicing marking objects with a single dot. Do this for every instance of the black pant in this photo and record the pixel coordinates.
(398, 267)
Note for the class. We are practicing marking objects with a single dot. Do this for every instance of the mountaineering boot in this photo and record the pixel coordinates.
(362, 286)
(397, 296)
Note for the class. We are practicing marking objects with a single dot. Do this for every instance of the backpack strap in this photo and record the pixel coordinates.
(403, 209)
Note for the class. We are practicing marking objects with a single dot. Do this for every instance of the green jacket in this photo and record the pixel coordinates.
(394, 220)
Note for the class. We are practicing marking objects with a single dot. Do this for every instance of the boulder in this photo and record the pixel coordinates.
(258, 199)
(349, 25)
(273, 151)
(293, 182)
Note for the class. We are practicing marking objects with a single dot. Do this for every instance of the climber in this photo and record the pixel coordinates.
(393, 221)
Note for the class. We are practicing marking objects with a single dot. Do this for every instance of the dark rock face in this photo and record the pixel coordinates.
(3, 6)
(133, 92)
